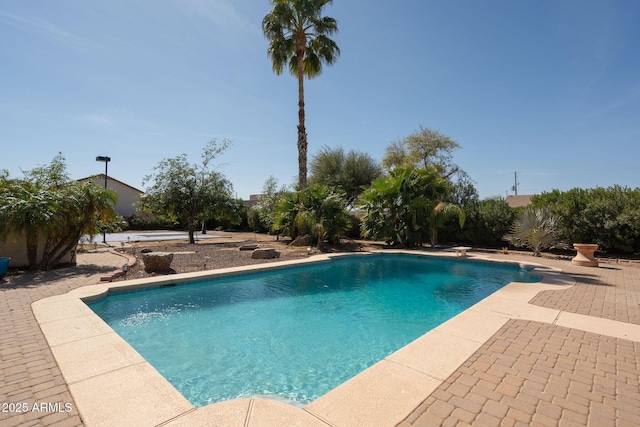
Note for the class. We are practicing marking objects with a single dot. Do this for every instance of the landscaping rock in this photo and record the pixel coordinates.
(265, 253)
(157, 262)
(248, 247)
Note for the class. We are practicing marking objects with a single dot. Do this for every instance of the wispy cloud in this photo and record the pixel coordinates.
(115, 120)
(46, 29)
(126, 121)
(98, 119)
(230, 21)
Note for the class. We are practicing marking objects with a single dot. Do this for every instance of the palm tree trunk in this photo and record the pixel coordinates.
(302, 131)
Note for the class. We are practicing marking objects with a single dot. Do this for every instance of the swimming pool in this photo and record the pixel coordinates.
(299, 332)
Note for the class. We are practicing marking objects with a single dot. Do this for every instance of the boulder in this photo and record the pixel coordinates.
(248, 247)
(157, 262)
(305, 240)
(265, 253)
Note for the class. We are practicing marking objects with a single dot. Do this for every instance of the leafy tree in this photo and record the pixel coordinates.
(404, 207)
(535, 229)
(423, 148)
(47, 205)
(317, 208)
(188, 193)
(299, 40)
(350, 172)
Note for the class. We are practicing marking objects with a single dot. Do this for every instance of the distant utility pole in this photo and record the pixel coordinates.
(515, 183)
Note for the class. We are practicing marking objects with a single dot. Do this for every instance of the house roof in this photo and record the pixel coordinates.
(101, 176)
(518, 201)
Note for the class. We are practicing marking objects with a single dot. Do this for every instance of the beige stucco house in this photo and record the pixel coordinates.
(128, 196)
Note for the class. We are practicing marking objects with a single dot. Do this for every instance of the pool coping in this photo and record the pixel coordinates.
(113, 385)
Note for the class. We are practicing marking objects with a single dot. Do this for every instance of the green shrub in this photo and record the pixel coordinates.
(148, 221)
(486, 222)
(609, 217)
(405, 207)
(317, 210)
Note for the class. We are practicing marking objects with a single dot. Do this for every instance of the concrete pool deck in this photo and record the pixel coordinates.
(566, 351)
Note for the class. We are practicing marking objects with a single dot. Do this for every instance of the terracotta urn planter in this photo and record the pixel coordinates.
(585, 257)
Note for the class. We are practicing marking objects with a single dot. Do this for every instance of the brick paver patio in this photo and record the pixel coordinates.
(528, 373)
(537, 374)
(29, 374)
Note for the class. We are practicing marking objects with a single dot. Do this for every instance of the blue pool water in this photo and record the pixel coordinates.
(295, 333)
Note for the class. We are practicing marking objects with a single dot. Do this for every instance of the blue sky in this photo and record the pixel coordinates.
(550, 89)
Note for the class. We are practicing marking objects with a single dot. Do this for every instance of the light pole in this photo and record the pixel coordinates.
(106, 161)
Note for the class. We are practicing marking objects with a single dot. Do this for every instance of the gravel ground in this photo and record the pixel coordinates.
(224, 252)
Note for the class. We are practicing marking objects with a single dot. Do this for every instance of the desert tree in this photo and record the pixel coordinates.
(423, 148)
(188, 193)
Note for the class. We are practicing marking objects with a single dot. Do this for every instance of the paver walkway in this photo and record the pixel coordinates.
(29, 374)
(538, 374)
(528, 373)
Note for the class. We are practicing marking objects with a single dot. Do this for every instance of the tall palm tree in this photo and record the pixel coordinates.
(299, 39)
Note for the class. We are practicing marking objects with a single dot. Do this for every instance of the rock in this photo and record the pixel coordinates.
(265, 253)
(157, 262)
(145, 251)
(248, 247)
(305, 240)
